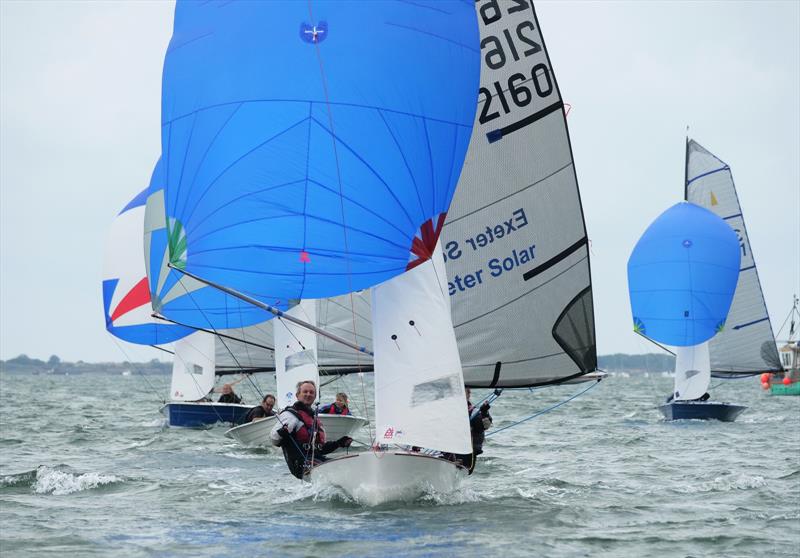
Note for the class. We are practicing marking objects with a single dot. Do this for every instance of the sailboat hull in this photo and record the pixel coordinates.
(256, 433)
(202, 414)
(374, 478)
(701, 410)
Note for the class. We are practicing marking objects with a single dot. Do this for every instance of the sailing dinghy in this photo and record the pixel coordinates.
(746, 346)
(312, 150)
(296, 359)
(515, 246)
(682, 275)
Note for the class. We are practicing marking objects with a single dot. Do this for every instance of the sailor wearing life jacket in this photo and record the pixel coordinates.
(479, 421)
(300, 434)
(337, 408)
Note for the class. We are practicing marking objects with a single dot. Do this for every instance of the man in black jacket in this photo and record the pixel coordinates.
(299, 433)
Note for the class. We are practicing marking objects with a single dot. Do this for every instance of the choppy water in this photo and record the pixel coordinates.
(87, 469)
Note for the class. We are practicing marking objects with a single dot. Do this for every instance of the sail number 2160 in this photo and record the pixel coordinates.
(519, 88)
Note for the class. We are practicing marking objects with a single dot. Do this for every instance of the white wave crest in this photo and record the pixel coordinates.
(53, 481)
(725, 484)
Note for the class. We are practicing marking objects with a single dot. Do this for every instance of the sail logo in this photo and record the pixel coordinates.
(314, 34)
(389, 434)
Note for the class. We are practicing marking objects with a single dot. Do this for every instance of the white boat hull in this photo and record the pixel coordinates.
(373, 478)
(256, 433)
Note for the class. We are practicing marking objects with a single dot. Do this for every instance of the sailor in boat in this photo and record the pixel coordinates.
(299, 433)
(479, 422)
(339, 407)
(228, 395)
(263, 410)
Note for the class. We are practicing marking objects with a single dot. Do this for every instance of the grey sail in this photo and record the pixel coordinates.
(514, 240)
(746, 344)
(250, 349)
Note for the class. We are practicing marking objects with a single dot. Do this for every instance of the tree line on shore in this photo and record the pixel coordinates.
(618, 362)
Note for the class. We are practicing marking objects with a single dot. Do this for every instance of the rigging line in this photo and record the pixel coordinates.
(163, 349)
(221, 340)
(243, 341)
(657, 344)
(544, 411)
(128, 358)
(272, 310)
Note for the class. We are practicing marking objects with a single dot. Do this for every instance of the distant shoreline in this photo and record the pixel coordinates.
(619, 362)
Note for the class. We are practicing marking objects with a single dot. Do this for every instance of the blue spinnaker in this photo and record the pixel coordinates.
(682, 275)
(172, 293)
(306, 145)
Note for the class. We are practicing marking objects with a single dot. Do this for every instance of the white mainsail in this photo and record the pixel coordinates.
(746, 344)
(692, 372)
(193, 367)
(295, 352)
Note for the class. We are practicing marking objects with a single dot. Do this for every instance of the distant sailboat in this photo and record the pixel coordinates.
(746, 346)
(197, 357)
(682, 275)
(297, 359)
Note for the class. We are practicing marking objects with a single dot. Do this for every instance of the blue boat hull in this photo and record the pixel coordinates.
(198, 415)
(701, 410)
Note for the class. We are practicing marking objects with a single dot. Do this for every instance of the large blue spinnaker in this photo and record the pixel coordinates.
(312, 149)
(682, 275)
(172, 293)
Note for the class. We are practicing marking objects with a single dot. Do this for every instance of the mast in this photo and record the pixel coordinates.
(686, 171)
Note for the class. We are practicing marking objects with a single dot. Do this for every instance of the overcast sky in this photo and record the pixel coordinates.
(79, 116)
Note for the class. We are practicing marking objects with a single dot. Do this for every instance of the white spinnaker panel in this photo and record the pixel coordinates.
(514, 240)
(193, 367)
(746, 344)
(295, 352)
(692, 372)
(123, 261)
(419, 387)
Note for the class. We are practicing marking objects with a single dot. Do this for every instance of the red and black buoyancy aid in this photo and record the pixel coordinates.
(332, 409)
(304, 433)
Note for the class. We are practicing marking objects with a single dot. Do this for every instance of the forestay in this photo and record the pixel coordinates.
(746, 344)
(515, 241)
(305, 144)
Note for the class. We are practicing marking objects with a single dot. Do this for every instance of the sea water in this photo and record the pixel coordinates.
(87, 468)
